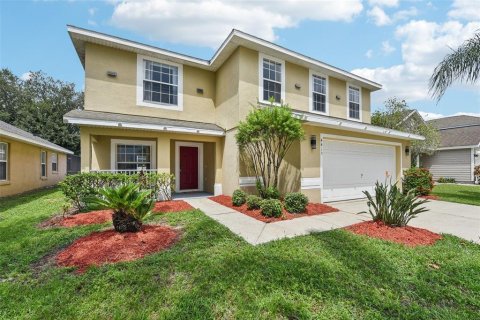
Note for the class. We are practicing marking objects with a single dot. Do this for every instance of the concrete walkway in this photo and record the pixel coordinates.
(257, 232)
(460, 220)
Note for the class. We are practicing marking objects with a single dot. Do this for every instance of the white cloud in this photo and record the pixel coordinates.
(381, 18)
(369, 53)
(208, 22)
(423, 47)
(431, 115)
(383, 3)
(387, 48)
(465, 9)
(92, 11)
(26, 76)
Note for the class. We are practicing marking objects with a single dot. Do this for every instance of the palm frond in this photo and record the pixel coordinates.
(463, 65)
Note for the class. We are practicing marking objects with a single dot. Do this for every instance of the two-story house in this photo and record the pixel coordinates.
(151, 108)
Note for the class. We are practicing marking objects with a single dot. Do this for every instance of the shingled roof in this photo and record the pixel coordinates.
(458, 131)
(15, 133)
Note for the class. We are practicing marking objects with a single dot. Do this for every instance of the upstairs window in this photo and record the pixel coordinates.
(54, 162)
(3, 161)
(43, 163)
(319, 93)
(353, 102)
(272, 78)
(159, 83)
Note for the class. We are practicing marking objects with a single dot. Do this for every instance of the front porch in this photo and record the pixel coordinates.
(194, 160)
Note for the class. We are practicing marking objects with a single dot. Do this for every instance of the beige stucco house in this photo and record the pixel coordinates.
(28, 162)
(150, 108)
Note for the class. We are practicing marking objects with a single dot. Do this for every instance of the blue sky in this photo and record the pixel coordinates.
(396, 43)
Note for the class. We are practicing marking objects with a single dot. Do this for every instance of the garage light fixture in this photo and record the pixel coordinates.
(313, 142)
(407, 150)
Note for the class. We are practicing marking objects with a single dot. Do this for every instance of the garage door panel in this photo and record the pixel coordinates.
(350, 168)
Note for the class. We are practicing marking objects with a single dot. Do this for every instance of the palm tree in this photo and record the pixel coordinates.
(462, 64)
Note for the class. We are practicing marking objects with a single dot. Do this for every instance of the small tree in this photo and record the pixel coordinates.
(265, 138)
(398, 116)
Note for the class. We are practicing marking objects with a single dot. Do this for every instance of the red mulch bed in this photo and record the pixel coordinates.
(172, 206)
(409, 236)
(110, 246)
(102, 216)
(429, 197)
(312, 210)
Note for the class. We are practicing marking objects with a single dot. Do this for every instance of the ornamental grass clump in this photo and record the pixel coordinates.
(391, 206)
(130, 205)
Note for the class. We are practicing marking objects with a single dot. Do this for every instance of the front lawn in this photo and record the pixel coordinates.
(212, 274)
(458, 193)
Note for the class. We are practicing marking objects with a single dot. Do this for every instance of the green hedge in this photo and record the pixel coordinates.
(271, 208)
(80, 186)
(239, 197)
(296, 202)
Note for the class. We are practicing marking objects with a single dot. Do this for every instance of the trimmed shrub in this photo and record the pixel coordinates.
(392, 207)
(418, 179)
(446, 180)
(296, 202)
(78, 187)
(253, 202)
(271, 208)
(272, 193)
(239, 197)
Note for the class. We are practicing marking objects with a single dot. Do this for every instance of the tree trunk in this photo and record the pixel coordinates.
(122, 222)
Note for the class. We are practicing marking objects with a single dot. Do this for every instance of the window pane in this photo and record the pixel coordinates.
(3, 152)
(3, 171)
(44, 170)
(354, 110)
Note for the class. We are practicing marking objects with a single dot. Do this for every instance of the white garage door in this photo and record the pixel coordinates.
(350, 168)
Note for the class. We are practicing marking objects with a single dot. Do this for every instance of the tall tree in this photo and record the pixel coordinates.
(37, 105)
(398, 115)
(265, 138)
(463, 65)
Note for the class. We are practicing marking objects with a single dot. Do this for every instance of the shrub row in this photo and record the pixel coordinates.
(418, 179)
(295, 202)
(446, 180)
(78, 187)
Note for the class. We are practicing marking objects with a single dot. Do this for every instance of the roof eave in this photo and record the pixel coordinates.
(141, 126)
(356, 127)
(20, 138)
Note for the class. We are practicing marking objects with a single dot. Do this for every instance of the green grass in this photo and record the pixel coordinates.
(458, 193)
(213, 274)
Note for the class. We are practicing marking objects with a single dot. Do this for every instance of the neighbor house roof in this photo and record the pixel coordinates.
(458, 131)
(117, 120)
(235, 39)
(15, 133)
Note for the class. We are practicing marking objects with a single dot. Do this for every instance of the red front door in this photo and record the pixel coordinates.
(188, 168)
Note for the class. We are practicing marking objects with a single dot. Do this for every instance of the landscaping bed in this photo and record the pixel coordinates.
(311, 210)
(409, 236)
(102, 216)
(109, 246)
(429, 197)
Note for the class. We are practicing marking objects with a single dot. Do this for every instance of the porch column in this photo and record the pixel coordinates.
(86, 150)
(163, 155)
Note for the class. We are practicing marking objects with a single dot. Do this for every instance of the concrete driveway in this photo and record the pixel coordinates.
(461, 220)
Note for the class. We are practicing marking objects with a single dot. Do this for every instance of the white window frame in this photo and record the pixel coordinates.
(198, 145)
(310, 92)
(140, 78)
(54, 157)
(113, 151)
(43, 162)
(359, 102)
(262, 56)
(5, 161)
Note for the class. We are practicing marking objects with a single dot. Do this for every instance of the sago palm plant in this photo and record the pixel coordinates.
(393, 207)
(130, 205)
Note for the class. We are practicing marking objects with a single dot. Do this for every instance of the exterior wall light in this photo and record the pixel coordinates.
(112, 74)
(313, 142)
(200, 90)
(298, 86)
(337, 97)
(407, 150)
